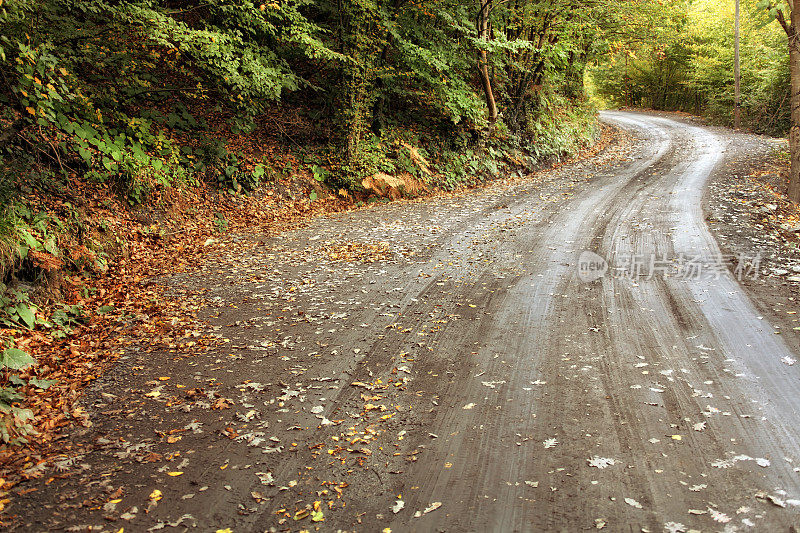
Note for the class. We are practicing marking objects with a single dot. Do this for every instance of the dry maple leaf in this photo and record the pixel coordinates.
(722, 518)
(601, 462)
(222, 403)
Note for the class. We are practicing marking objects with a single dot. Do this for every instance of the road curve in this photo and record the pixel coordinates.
(469, 376)
(666, 393)
(636, 401)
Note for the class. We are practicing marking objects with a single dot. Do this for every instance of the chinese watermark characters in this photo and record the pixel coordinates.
(638, 267)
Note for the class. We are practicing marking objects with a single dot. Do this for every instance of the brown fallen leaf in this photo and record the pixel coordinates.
(222, 403)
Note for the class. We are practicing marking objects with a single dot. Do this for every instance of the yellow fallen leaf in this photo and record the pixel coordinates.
(114, 501)
(174, 474)
(153, 394)
(676, 437)
(226, 530)
(302, 513)
(30, 110)
(163, 378)
(155, 495)
(473, 305)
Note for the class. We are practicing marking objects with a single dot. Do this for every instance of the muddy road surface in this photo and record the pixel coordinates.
(570, 352)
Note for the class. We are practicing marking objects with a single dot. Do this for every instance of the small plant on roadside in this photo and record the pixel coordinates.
(64, 320)
(16, 309)
(15, 422)
(220, 223)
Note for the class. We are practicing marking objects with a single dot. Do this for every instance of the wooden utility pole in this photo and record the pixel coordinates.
(737, 107)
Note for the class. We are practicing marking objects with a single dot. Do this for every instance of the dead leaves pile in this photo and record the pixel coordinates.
(357, 252)
(123, 307)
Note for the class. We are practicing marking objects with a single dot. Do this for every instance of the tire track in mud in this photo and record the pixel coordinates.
(656, 474)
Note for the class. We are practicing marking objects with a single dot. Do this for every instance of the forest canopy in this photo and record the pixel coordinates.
(688, 66)
(147, 93)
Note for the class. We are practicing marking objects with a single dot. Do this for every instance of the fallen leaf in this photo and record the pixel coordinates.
(674, 527)
(633, 503)
(266, 478)
(222, 403)
(432, 507)
(601, 462)
(722, 518)
(770, 498)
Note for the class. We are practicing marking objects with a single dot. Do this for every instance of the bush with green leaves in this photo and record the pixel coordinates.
(22, 232)
(15, 421)
(103, 88)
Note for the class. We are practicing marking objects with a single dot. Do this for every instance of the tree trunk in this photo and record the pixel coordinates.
(790, 27)
(357, 84)
(487, 88)
(737, 104)
(794, 133)
(483, 60)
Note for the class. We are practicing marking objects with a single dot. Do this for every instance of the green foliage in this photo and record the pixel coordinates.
(16, 310)
(21, 232)
(692, 68)
(239, 47)
(15, 421)
(15, 359)
(235, 177)
(220, 223)
(107, 87)
(122, 92)
(65, 318)
(320, 173)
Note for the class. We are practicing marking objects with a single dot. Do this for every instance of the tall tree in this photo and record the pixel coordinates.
(791, 27)
(737, 78)
(484, 34)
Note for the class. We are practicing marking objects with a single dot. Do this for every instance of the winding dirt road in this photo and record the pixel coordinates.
(562, 354)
